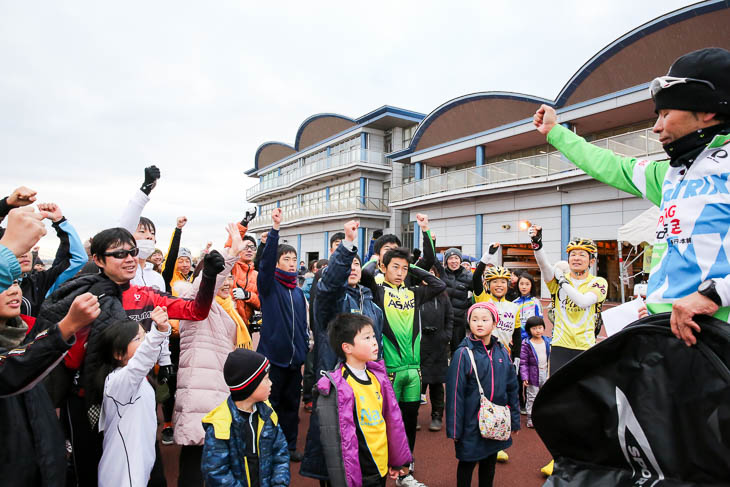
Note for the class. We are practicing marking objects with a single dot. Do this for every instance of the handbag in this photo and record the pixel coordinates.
(495, 422)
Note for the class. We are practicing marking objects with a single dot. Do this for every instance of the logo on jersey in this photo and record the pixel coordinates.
(399, 303)
(370, 417)
(688, 188)
(635, 445)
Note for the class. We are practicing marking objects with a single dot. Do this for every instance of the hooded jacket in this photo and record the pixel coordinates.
(463, 399)
(223, 462)
(284, 338)
(245, 276)
(336, 406)
(529, 363)
(437, 322)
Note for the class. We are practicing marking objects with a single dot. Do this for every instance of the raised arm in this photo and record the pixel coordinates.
(434, 286)
(168, 267)
(489, 258)
(132, 213)
(429, 254)
(546, 268)
(70, 256)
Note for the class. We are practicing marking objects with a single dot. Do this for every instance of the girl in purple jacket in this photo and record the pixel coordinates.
(534, 361)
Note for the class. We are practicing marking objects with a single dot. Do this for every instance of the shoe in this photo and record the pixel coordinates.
(423, 399)
(408, 481)
(523, 411)
(502, 456)
(547, 470)
(295, 456)
(435, 425)
(529, 423)
(308, 406)
(167, 434)
(418, 427)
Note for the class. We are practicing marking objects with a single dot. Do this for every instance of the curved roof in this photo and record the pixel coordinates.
(270, 152)
(631, 60)
(319, 127)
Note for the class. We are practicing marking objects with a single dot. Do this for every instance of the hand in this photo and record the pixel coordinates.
(394, 473)
(208, 246)
(535, 233)
(22, 196)
(422, 220)
(53, 211)
(241, 294)
(181, 221)
(159, 316)
(165, 372)
(151, 175)
(276, 218)
(250, 215)
(236, 240)
(544, 119)
(84, 310)
(214, 264)
(351, 230)
(263, 237)
(36, 249)
(643, 312)
(25, 229)
(683, 310)
(493, 247)
(525, 383)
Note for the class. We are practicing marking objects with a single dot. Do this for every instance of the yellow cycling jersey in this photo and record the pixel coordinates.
(574, 327)
(507, 317)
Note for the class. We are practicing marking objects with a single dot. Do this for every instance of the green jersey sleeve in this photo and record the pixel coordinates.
(638, 177)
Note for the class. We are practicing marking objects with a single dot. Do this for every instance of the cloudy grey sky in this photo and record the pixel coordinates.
(92, 92)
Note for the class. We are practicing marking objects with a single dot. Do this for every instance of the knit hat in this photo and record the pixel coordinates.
(184, 252)
(244, 370)
(705, 65)
(450, 252)
(484, 305)
(532, 322)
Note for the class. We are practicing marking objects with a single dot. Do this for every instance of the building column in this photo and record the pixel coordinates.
(363, 185)
(419, 170)
(278, 203)
(479, 224)
(361, 243)
(568, 126)
(299, 247)
(564, 230)
(363, 140)
(480, 155)
(329, 153)
(416, 236)
(326, 244)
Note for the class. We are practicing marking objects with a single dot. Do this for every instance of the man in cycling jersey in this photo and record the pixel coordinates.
(690, 268)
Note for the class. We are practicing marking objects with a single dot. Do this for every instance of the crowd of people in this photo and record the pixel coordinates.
(115, 326)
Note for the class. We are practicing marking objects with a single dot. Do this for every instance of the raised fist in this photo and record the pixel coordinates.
(22, 196)
(53, 210)
(159, 316)
(493, 247)
(276, 217)
(214, 263)
(545, 119)
(241, 294)
(250, 215)
(25, 229)
(422, 220)
(535, 233)
(151, 175)
(351, 230)
(181, 221)
(84, 310)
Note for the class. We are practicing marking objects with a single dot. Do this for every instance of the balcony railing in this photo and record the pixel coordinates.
(633, 144)
(324, 209)
(321, 166)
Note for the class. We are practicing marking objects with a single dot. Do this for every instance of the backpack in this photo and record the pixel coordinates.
(641, 409)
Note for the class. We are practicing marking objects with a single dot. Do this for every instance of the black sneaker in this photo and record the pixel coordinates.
(167, 434)
(295, 456)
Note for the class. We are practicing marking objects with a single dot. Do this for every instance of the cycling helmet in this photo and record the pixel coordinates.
(497, 272)
(582, 244)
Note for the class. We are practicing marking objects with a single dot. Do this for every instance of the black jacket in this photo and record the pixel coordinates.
(458, 286)
(437, 320)
(33, 450)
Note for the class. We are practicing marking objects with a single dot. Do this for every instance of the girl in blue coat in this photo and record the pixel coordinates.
(499, 381)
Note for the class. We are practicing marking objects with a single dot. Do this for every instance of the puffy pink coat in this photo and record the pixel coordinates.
(204, 346)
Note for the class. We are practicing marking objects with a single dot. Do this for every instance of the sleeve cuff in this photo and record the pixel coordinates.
(348, 245)
(555, 133)
(722, 286)
(13, 264)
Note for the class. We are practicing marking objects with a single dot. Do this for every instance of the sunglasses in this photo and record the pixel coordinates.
(122, 253)
(664, 82)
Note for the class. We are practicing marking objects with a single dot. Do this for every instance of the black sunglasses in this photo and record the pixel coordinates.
(122, 253)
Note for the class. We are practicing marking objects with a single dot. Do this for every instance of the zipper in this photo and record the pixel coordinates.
(253, 433)
(291, 298)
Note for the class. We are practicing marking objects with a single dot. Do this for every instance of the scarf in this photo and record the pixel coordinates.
(243, 338)
(287, 279)
(684, 150)
(12, 333)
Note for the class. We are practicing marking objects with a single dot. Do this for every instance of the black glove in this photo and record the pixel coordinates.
(165, 373)
(213, 264)
(151, 175)
(377, 234)
(250, 215)
(493, 249)
(537, 239)
(105, 287)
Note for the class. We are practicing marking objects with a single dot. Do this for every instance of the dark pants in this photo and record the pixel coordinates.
(516, 348)
(409, 413)
(436, 395)
(286, 390)
(486, 472)
(309, 379)
(190, 464)
(457, 335)
(559, 356)
(157, 475)
(87, 443)
(168, 406)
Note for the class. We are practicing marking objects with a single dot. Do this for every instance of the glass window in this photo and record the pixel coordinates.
(409, 173)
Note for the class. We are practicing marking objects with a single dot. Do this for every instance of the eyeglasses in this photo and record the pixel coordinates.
(249, 247)
(664, 82)
(122, 253)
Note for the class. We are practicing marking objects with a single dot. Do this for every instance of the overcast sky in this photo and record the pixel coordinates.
(92, 92)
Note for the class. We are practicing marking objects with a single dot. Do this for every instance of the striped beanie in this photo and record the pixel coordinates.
(243, 371)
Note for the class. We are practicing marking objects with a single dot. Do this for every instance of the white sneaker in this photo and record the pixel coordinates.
(408, 481)
(423, 399)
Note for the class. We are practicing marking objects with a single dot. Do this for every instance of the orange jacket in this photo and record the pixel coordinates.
(245, 276)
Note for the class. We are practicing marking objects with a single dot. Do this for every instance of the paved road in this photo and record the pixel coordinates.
(435, 460)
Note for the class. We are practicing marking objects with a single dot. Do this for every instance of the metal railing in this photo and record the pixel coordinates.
(324, 208)
(633, 144)
(320, 166)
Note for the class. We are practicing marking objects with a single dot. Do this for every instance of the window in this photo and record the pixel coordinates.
(409, 173)
(406, 231)
(408, 133)
(346, 190)
(388, 141)
(314, 197)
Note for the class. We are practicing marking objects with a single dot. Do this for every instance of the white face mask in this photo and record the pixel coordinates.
(146, 247)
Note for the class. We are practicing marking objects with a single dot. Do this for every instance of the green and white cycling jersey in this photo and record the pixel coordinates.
(692, 235)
